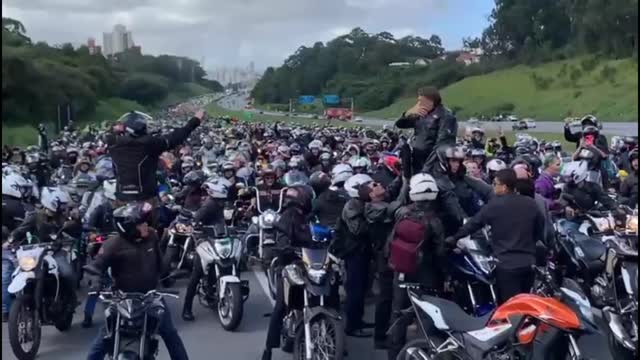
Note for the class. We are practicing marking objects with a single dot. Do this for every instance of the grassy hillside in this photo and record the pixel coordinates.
(607, 89)
(108, 109)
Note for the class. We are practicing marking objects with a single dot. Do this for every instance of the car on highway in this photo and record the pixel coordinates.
(524, 124)
(473, 121)
(512, 118)
(358, 119)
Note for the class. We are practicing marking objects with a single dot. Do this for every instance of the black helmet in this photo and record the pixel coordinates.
(589, 120)
(300, 196)
(127, 217)
(590, 130)
(135, 123)
(195, 178)
(633, 155)
(320, 182)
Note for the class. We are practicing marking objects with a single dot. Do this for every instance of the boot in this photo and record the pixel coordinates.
(187, 314)
(87, 322)
(266, 355)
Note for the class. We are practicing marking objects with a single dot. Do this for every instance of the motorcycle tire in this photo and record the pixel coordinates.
(618, 351)
(16, 308)
(338, 338)
(64, 323)
(236, 313)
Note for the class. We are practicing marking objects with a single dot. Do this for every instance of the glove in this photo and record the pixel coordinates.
(451, 241)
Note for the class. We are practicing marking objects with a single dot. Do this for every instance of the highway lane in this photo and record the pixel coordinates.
(237, 102)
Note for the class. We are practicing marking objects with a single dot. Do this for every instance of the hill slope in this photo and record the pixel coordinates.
(607, 89)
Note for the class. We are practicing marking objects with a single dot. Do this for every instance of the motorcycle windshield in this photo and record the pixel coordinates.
(315, 258)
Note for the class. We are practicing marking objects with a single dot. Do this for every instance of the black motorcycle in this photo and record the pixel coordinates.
(132, 321)
(180, 251)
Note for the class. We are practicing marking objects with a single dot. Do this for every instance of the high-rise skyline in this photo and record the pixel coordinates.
(226, 74)
(117, 41)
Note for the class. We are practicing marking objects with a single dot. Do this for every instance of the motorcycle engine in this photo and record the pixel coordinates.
(599, 290)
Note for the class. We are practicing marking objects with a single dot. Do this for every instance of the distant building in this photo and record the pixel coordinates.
(468, 58)
(117, 41)
(93, 48)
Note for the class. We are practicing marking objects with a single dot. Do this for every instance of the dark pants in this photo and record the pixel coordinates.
(511, 282)
(357, 266)
(167, 332)
(275, 322)
(196, 274)
(384, 300)
(8, 267)
(92, 299)
(418, 160)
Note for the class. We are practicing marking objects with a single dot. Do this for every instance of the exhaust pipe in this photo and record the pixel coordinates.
(417, 354)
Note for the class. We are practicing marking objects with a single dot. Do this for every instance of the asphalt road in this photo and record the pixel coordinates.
(237, 102)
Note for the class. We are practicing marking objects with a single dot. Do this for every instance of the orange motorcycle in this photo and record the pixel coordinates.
(508, 333)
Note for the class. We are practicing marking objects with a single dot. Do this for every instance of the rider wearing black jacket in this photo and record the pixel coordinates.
(293, 231)
(135, 154)
(136, 264)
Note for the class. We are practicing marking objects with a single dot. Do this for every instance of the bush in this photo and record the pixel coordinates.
(575, 74)
(589, 63)
(541, 82)
(608, 73)
(144, 89)
(577, 94)
(563, 70)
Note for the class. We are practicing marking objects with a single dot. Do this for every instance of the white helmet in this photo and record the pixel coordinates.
(54, 198)
(353, 183)
(496, 165)
(109, 187)
(340, 173)
(217, 188)
(422, 187)
(315, 144)
(14, 184)
(578, 171)
(360, 162)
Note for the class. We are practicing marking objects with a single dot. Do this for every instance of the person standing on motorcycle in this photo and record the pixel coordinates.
(136, 153)
(600, 141)
(423, 192)
(293, 231)
(516, 226)
(629, 186)
(136, 264)
(434, 125)
(210, 214)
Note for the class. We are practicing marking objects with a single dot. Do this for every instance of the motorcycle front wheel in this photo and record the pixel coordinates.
(230, 307)
(327, 340)
(25, 331)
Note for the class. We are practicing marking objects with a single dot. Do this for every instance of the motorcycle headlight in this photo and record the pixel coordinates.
(27, 263)
(485, 263)
(224, 248)
(184, 229)
(293, 275)
(269, 219)
(632, 224)
(316, 276)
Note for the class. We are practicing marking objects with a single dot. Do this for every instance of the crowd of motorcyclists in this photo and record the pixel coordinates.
(384, 207)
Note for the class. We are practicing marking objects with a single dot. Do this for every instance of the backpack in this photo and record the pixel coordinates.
(407, 239)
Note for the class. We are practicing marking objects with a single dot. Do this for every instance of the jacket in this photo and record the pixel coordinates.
(628, 190)
(135, 160)
(327, 207)
(545, 186)
(210, 213)
(516, 225)
(351, 234)
(38, 224)
(135, 265)
(472, 193)
(585, 196)
(13, 212)
(101, 219)
(601, 140)
(436, 129)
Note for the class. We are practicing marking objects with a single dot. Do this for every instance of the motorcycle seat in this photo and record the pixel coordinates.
(593, 249)
(455, 318)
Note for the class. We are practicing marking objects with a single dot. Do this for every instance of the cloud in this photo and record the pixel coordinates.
(234, 32)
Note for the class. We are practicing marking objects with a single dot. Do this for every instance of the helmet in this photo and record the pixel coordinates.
(228, 165)
(325, 156)
(194, 178)
(557, 145)
(450, 153)
(315, 144)
(633, 155)
(422, 187)
(477, 130)
(295, 149)
(590, 130)
(279, 164)
(187, 162)
(319, 181)
(353, 184)
(299, 195)
(496, 165)
(54, 198)
(477, 153)
(284, 151)
(109, 187)
(127, 217)
(135, 122)
(217, 188)
(15, 185)
(295, 177)
(589, 120)
(296, 162)
(360, 162)
(268, 171)
(340, 173)
(84, 182)
(577, 171)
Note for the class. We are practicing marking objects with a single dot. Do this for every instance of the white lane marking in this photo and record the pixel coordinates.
(264, 283)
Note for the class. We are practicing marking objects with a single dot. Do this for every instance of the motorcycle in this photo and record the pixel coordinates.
(510, 332)
(473, 273)
(41, 298)
(133, 319)
(180, 250)
(266, 238)
(221, 288)
(313, 327)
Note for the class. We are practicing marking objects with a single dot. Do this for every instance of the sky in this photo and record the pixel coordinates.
(235, 32)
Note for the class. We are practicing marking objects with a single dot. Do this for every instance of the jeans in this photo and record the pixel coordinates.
(8, 266)
(383, 303)
(92, 300)
(167, 332)
(511, 282)
(357, 266)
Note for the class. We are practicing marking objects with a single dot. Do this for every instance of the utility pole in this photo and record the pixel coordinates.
(290, 105)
